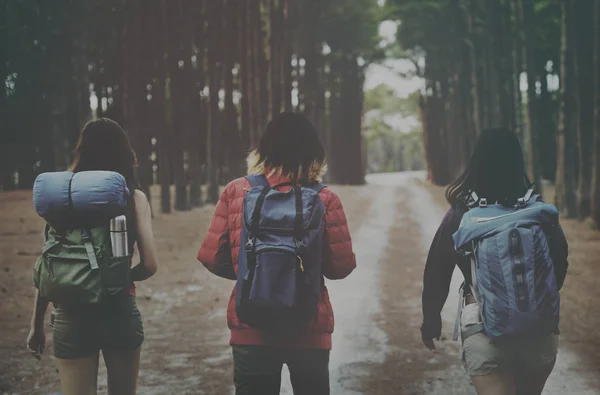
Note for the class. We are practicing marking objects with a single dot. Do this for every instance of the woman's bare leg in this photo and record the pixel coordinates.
(78, 376)
(532, 381)
(502, 383)
(122, 368)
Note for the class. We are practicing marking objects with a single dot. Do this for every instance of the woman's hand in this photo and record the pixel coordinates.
(36, 342)
(429, 344)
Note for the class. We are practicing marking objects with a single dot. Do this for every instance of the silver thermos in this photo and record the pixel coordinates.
(118, 236)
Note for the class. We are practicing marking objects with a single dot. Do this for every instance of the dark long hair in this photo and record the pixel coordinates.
(290, 146)
(104, 145)
(496, 170)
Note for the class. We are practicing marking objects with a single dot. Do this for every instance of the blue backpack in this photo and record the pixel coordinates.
(512, 272)
(281, 255)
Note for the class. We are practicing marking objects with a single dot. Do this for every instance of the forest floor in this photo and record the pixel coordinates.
(377, 348)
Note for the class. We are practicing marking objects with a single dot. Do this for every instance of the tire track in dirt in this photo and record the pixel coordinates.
(409, 368)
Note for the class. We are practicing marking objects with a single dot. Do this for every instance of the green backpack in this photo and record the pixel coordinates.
(77, 267)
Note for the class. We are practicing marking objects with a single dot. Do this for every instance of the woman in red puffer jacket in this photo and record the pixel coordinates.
(289, 151)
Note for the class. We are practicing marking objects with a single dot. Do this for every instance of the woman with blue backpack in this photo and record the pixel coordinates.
(85, 268)
(512, 253)
(278, 232)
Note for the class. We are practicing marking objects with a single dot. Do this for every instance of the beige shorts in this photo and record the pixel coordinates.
(481, 356)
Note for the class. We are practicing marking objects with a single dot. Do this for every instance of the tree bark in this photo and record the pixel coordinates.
(159, 98)
(517, 52)
(215, 22)
(287, 56)
(475, 115)
(199, 129)
(583, 42)
(596, 147)
(245, 76)
(565, 198)
(531, 141)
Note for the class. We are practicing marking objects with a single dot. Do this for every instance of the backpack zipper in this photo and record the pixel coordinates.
(286, 251)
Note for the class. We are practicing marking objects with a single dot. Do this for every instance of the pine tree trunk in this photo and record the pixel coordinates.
(476, 116)
(531, 141)
(230, 117)
(199, 129)
(565, 198)
(517, 52)
(263, 68)
(275, 13)
(215, 21)
(159, 105)
(253, 78)
(585, 73)
(596, 147)
(245, 76)
(178, 61)
(287, 56)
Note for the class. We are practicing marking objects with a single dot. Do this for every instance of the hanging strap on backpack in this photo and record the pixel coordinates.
(89, 247)
(480, 327)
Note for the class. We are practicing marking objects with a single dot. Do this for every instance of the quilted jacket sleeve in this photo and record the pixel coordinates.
(215, 252)
(340, 260)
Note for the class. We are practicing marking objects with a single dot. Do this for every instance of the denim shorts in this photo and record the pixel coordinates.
(82, 331)
(481, 356)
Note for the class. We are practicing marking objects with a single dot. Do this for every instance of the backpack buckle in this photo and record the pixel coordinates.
(483, 202)
(300, 247)
(250, 245)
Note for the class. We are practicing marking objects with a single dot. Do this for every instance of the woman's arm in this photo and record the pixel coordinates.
(40, 305)
(437, 277)
(339, 260)
(215, 252)
(36, 341)
(559, 252)
(145, 239)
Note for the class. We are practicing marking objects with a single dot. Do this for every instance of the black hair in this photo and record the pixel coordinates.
(496, 170)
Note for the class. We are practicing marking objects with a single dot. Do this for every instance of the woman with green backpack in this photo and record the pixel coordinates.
(105, 316)
(512, 253)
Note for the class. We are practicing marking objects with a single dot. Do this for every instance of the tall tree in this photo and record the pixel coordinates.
(213, 160)
(565, 199)
(596, 146)
(584, 47)
(531, 141)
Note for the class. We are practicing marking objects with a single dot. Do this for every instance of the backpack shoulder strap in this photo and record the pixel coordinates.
(316, 187)
(258, 180)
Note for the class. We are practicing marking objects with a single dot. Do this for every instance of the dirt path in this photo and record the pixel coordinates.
(377, 347)
(409, 368)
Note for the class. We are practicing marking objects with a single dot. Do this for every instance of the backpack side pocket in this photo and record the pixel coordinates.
(115, 274)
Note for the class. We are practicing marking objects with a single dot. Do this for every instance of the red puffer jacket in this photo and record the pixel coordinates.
(220, 250)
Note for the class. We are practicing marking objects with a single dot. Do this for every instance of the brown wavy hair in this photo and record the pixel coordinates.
(104, 145)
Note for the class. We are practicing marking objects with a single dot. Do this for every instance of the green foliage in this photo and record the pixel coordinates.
(383, 99)
(389, 149)
(350, 28)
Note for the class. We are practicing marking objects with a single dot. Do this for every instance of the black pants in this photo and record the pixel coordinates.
(257, 370)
